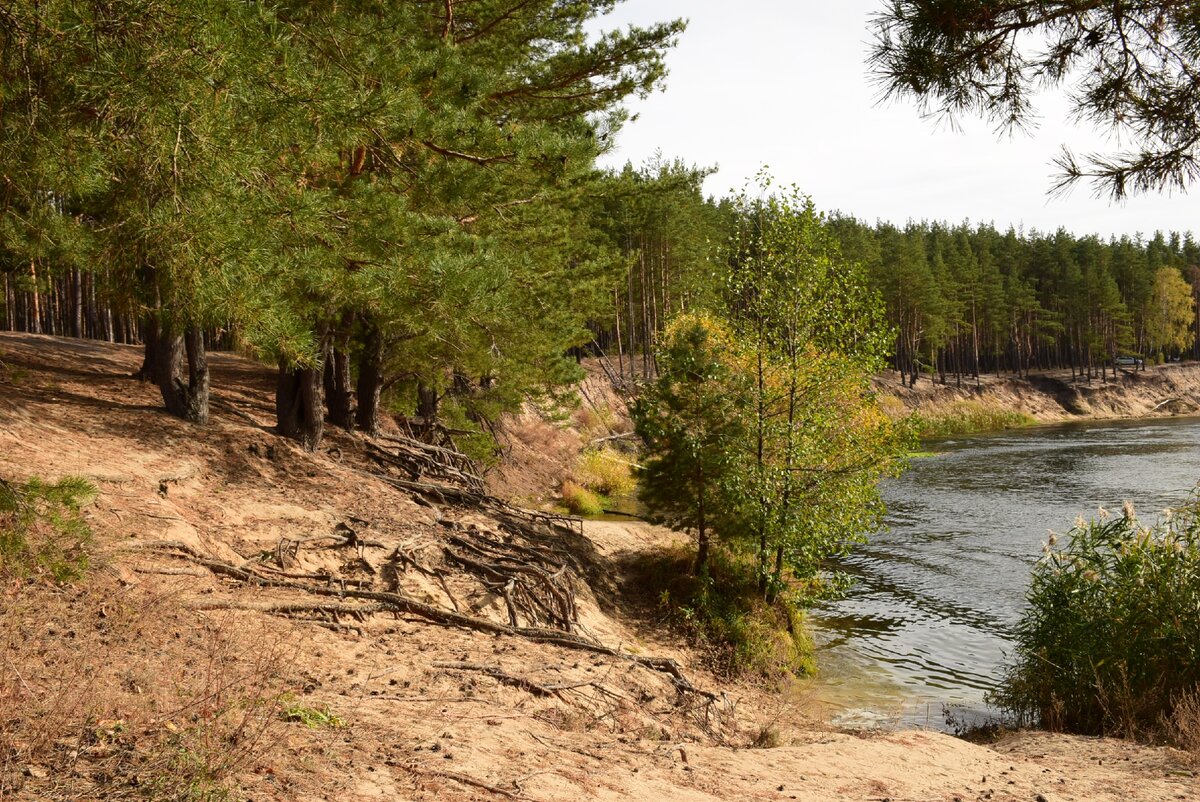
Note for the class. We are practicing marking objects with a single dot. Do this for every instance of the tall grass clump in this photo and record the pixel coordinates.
(967, 417)
(42, 531)
(578, 500)
(1110, 644)
(607, 472)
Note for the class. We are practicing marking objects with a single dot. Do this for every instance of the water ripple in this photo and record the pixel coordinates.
(938, 594)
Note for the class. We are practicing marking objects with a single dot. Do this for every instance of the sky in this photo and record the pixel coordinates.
(784, 84)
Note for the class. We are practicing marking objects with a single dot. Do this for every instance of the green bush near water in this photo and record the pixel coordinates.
(723, 612)
(578, 500)
(1110, 644)
(42, 532)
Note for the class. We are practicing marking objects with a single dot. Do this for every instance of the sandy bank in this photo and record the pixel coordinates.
(425, 709)
(1053, 397)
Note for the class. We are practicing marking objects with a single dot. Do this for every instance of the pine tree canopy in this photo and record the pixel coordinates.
(1130, 68)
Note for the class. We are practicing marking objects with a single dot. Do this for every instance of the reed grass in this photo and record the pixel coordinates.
(1110, 644)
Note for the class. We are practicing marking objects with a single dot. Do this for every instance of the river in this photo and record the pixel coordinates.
(927, 625)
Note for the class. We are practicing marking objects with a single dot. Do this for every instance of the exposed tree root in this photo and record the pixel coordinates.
(402, 604)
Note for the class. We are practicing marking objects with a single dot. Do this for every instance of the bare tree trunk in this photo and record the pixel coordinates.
(10, 302)
(77, 317)
(701, 565)
(148, 372)
(36, 322)
(621, 346)
(370, 381)
(185, 395)
(299, 410)
(339, 398)
(93, 312)
(427, 404)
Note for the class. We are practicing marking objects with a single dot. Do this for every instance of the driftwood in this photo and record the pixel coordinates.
(359, 612)
(610, 438)
(498, 674)
(504, 678)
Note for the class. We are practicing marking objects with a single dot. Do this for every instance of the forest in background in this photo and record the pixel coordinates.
(962, 299)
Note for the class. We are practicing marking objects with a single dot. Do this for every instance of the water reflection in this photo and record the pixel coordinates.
(927, 623)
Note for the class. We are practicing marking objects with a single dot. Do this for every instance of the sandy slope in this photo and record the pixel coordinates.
(416, 729)
(1053, 396)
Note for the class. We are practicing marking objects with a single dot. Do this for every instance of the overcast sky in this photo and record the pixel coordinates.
(783, 83)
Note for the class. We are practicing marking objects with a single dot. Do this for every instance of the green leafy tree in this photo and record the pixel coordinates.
(1171, 313)
(762, 426)
(1131, 68)
(811, 333)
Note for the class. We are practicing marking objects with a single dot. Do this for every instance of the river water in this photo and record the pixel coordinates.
(927, 625)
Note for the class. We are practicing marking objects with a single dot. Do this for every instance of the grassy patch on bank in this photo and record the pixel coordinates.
(112, 692)
(723, 613)
(578, 500)
(601, 474)
(967, 417)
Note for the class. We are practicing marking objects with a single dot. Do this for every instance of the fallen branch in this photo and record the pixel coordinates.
(458, 778)
(498, 674)
(357, 611)
(1164, 403)
(611, 437)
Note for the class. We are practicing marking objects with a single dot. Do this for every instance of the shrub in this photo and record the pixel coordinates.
(42, 531)
(1110, 643)
(581, 501)
(724, 612)
(604, 471)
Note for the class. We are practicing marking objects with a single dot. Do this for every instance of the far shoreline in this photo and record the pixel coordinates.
(1002, 402)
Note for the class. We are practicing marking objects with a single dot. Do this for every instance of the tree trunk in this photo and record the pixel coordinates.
(370, 381)
(339, 398)
(427, 404)
(36, 316)
(777, 576)
(10, 302)
(77, 303)
(299, 410)
(183, 400)
(701, 566)
(148, 372)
